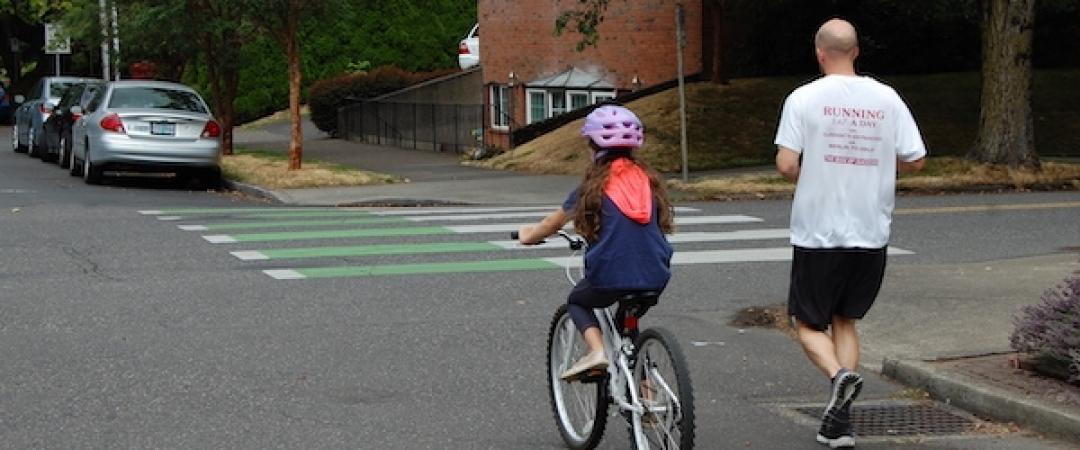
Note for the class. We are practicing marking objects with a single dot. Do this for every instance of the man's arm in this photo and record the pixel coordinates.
(787, 163)
(913, 166)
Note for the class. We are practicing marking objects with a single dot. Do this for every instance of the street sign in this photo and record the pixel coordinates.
(56, 41)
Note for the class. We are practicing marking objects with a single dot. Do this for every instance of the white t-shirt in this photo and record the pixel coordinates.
(850, 131)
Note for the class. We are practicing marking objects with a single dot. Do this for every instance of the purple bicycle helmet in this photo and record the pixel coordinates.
(614, 126)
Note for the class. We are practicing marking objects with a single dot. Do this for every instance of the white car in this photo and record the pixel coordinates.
(146, 126)
(469, 49)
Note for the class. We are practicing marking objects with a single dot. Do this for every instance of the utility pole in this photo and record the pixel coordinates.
(116, 42)
(110, 40)
(106, 71)
(680, 38)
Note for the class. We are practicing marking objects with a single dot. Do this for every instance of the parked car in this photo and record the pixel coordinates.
(5, 106)
(58, 125)
(140, 126)
(469, 49)
(28, 134)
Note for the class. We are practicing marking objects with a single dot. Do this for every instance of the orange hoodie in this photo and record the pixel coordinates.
(628, 187)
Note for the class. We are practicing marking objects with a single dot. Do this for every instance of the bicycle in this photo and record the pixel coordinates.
(648, 379)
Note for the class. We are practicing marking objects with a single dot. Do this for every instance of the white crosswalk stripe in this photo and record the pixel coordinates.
(700, 239)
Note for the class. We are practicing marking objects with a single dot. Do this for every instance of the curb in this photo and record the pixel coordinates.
(267, 194)
(252, 190)
(983, 400)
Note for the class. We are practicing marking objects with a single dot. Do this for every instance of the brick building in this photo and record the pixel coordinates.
(530, 74)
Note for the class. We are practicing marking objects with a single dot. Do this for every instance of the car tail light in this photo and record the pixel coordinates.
(112, 123)
(45, 108)
(75, 117)
(211, 130)
(463, 48)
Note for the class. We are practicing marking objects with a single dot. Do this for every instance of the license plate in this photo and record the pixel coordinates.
(162, 129)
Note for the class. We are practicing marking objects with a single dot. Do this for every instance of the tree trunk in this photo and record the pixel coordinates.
(719, 75)
(292, 50)
(230, 81)
(1006, 132)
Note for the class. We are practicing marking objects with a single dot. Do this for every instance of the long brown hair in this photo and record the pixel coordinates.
(591, 193)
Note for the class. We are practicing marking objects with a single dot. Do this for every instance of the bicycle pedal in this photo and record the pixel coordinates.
(593, 376)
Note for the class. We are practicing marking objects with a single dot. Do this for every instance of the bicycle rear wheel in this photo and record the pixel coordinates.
(663, 381)
(580, 407)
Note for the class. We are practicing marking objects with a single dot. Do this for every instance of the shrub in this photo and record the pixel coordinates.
(1050, 330)
(327, 95)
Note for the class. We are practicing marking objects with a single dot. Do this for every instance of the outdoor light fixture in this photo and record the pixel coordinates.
(636, 82)
(513, 79)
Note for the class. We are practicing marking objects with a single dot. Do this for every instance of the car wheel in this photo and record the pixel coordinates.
(63, 154)
(74, 169)
(91, 174)
(32, 148)
(210, 178)
(15, 140)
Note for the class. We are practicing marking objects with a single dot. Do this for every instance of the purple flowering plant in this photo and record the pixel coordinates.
(1050, 329)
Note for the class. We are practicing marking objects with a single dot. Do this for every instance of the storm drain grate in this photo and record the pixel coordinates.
(901, 420)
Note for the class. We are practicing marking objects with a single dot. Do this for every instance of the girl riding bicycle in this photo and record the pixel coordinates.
(622, 210)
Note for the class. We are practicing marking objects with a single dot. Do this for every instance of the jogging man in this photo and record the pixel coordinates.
(841, 139)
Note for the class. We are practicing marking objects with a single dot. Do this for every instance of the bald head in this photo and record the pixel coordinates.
(836, 36)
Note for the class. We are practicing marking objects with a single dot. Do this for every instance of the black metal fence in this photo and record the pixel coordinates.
(456, 128)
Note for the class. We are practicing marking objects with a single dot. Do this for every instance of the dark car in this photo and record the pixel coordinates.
(58, 125)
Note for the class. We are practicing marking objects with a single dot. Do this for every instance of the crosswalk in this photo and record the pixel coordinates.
(310, 243)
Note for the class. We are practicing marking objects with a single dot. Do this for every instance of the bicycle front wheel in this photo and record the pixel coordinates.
(580, 407)
(663, 381)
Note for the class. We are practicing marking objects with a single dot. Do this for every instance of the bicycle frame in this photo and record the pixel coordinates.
(620, 351)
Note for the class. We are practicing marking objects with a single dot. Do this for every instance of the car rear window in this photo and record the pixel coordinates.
(156, 98)
(57, 89)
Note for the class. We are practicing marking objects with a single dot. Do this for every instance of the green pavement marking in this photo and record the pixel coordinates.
(226, 210)
(303, 223)
(326, 234)
(415, 269)
(380, 249)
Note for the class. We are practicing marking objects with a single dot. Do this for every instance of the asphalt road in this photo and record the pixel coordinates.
(119, 330)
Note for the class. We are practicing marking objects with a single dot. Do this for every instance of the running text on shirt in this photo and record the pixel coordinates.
(851, 131)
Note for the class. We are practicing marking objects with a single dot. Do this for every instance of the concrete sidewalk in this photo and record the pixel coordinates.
(433, 178)
(925, 314)
(931, 324)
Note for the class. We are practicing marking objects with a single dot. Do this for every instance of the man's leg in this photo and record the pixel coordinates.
(820, 348)
(845, 338)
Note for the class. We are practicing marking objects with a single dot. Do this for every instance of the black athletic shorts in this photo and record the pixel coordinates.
(834, 282)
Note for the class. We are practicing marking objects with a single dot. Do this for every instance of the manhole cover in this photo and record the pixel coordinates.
(917, 419)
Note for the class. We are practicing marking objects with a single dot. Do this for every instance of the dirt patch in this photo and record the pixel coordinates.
(772, 316)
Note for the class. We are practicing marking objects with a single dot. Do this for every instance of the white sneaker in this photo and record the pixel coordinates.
(591, 361)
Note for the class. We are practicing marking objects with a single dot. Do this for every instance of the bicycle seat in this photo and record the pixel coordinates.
(643, 298)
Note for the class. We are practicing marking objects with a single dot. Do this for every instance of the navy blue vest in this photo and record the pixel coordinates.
(626, 255)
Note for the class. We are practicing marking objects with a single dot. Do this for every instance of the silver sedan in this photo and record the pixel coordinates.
(147, 126)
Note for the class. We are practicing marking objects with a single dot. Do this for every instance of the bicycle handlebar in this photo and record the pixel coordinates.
(576, 243)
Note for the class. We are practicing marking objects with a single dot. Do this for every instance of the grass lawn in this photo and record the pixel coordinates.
(270, 170)
(734, 125)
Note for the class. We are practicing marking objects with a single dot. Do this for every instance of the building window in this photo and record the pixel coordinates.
(578, 99)
(598, 97)
(558, 102)
(500, 106)
(543, 104)
(538, 105)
